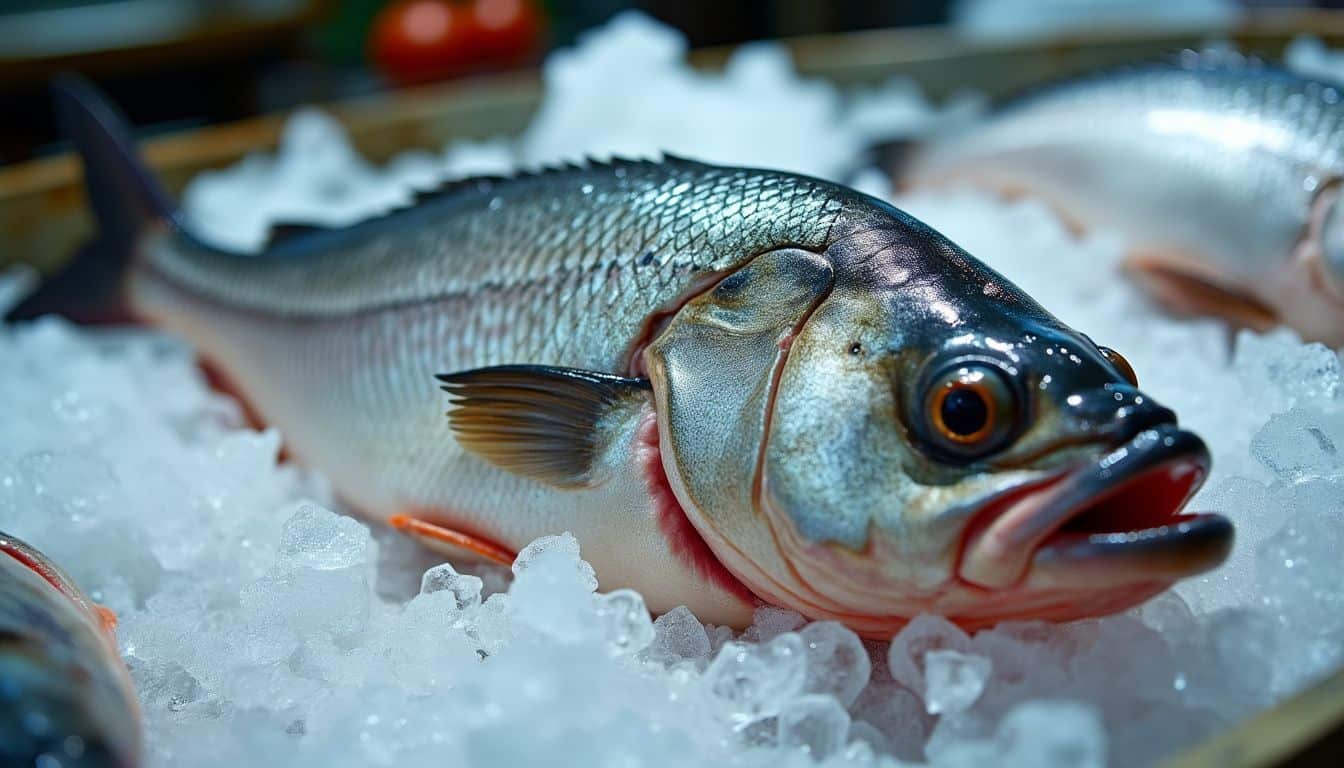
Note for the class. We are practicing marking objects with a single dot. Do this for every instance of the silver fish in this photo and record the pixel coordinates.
(65, 697)
(732, 385)
(1224, 175)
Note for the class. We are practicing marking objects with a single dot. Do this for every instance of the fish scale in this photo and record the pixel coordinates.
(476, 237)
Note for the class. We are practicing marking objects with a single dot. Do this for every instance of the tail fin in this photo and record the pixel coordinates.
(125, 198)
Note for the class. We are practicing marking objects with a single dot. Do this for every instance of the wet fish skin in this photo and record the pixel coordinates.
(63, 689)
(730, 384)
(1220, 172)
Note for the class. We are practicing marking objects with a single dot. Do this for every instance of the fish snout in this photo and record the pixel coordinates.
(1118, 411)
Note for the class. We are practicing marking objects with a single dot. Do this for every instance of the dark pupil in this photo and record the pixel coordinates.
(964, 412)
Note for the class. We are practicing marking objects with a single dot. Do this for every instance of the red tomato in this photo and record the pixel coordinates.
(416, 41)
(509, 30)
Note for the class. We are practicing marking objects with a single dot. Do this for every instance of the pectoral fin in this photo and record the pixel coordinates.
(1184, 288)
(550, 424)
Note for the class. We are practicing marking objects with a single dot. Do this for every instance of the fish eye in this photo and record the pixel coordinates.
(970, 409)
(1121, 364)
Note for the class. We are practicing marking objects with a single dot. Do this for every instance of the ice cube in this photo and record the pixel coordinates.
(1301, 444)
(626, 621)
(1296, 373)
(319, 538)
(552, 590)
(837, 662)
(556, 549)
(751, 682)
(444, 578)
(769, 621)
(679, 636)
(924, 633)
(953, 680)
(814, 723)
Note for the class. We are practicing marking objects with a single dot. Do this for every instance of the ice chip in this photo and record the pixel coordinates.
(837, 662)
(1297, 374)
(814, 723)
(679, 636)
(1051, 734)
(751, 682)
(558, 549)
(626, 620)
(1301, 444)
(924, 633)
(318, 538)
(769, 621)
(552, 590)
(953, 680)
(465, 588)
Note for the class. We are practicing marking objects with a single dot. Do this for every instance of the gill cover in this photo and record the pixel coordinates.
(713, 371)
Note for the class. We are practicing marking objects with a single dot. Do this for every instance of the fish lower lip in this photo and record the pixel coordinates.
(1124, 509)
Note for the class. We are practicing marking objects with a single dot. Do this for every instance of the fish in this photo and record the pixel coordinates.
(65, 697)
(733, 386)
(1222, 174)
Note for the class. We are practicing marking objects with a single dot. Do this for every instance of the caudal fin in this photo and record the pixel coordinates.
(125, 199)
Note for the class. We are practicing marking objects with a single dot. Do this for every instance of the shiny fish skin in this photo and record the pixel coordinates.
(63, 691)
(725, 382)
(1211, 165)
(337, 341)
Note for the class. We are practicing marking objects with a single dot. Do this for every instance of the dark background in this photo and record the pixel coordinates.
(234, 58)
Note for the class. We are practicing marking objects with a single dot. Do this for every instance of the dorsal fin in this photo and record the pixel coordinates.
(294, 232)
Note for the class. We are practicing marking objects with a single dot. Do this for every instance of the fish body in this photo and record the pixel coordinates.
(733, 386)
(1222, 174)
(65, 697)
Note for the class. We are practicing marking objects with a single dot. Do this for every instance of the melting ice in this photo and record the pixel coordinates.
(261, 627)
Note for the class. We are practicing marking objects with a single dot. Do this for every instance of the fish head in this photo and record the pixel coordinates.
(926, 437)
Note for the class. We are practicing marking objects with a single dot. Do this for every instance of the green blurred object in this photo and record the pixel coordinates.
(342, 38)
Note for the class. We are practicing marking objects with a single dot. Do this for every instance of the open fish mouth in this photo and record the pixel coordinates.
(1114, 521)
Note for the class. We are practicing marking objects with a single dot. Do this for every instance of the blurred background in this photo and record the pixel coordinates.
(174, 64)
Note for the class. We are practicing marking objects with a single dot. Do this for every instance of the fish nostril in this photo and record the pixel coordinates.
(1121, 410)
(1140, 413)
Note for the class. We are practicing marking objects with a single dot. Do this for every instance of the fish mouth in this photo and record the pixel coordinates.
(1116, 520)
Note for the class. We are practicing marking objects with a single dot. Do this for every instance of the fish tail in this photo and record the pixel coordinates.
(125, 197)
(896, 157)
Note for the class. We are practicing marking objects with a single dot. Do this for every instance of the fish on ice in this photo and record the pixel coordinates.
(733, 386)
(1224, 176)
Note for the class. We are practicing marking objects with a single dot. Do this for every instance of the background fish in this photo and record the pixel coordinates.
(731, 385)
(65, 697)
(1223, 174)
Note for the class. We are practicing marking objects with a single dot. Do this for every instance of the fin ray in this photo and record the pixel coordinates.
(542, 422)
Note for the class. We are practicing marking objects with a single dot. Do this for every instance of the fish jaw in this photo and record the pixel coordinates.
(1100, 525)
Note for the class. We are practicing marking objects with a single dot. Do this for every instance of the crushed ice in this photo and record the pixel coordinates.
(263, 628)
